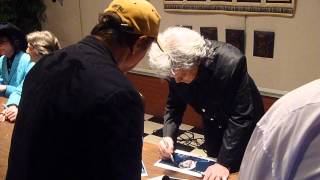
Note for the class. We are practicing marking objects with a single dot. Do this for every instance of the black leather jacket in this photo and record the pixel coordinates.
(226, 97)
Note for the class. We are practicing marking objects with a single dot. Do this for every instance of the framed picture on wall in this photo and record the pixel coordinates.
(209, 33)
(236, 37)
(263, 44)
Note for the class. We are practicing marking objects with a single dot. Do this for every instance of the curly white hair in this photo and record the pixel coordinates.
(176, 47)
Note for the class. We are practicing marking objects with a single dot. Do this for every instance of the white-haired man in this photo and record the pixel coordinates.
(212, 77)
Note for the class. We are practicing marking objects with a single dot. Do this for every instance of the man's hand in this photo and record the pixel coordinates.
(11, 113)
(166, 148)
(216, 172)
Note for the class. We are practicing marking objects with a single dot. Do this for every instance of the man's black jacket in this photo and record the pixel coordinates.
(226, 97)
(79, 118)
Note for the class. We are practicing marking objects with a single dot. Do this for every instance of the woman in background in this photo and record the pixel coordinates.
(14, 61)
(40, 43)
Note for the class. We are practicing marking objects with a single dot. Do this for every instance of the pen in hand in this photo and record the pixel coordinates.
(167, 146)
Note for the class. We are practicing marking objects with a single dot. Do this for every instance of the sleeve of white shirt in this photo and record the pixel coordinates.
(285, 144)
(309, 167)
(256, 163)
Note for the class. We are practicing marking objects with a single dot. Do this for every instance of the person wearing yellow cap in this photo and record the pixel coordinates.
(79, 116)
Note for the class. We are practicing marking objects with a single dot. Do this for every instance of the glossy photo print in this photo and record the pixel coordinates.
(186, 163)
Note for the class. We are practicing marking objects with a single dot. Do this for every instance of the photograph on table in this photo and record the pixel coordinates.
(143, 170)
(187, 163)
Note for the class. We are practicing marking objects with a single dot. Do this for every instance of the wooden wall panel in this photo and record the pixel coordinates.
(268, 101)
(155, 91)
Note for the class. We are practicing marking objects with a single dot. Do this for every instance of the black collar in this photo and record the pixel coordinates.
(98, 45)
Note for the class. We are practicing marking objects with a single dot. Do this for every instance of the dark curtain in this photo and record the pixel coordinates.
(26, 14)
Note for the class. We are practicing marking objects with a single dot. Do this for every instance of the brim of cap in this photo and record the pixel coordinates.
(159, 44)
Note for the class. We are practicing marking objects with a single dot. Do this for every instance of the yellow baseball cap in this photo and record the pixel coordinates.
(137, 14)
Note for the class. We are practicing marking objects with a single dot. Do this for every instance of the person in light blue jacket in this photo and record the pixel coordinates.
(14, 62)
(40, 43)
(15, 96)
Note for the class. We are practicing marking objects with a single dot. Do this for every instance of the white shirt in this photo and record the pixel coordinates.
(285, 144)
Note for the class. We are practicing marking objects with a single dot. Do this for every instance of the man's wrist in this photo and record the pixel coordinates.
(224, 165)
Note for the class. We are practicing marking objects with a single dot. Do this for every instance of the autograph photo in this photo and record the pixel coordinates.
(186, 163)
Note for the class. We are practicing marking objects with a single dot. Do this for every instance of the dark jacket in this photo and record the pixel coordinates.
(79, 118)
(226, 97)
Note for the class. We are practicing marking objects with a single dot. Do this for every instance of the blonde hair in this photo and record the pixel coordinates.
(43, 42)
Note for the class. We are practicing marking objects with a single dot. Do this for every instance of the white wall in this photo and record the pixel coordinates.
(297, 48)
(297, 40)
(64, 21)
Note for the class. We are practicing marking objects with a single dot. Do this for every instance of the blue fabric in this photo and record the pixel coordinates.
(15, 96)
(19, 69)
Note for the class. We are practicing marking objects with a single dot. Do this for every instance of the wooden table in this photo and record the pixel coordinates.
(5, 140)
(151, 155)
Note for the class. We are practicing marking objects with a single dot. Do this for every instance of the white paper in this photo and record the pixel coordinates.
(143, 170)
